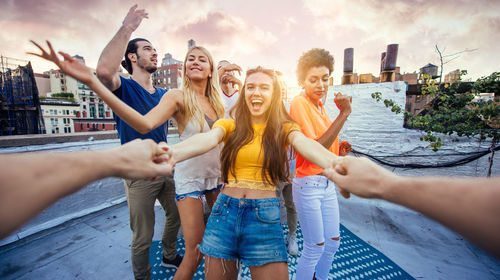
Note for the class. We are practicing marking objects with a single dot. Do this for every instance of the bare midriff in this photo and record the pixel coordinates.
(239, 190)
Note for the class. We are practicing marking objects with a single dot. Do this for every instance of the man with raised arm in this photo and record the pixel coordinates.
(229, 84)
(139, 93)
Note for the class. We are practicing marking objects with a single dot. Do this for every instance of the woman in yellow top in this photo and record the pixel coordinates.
(245, 220)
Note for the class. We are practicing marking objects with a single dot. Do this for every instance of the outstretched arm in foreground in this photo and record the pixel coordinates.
(31, 182)
(157, 116)
(469, 206)
(196, 145)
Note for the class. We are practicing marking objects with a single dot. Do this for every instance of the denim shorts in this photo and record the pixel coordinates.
(248, 230)
(197, 194)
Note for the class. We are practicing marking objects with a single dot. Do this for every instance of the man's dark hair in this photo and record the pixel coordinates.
(131, 48)
(314, 58)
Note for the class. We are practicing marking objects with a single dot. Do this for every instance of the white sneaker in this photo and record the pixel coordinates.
(293, 248)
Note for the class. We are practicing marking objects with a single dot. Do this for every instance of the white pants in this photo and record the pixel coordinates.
(316, 202)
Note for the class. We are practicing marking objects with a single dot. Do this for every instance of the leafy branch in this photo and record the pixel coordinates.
(453, 111)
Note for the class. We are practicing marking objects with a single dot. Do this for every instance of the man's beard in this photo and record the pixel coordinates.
(149, 69)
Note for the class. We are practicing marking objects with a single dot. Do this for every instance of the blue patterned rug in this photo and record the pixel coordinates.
(355, 259)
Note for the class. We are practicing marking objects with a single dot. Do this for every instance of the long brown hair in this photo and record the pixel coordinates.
(274, 139)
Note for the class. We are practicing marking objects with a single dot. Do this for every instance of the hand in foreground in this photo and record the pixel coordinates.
(360, 176)
(142, 159)
(134, 17)
(70, 65)
(344, 148)
(343, 102)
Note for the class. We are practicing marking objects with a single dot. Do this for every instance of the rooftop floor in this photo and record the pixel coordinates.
(98, 245)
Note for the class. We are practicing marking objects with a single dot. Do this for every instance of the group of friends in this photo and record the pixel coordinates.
(239, 148)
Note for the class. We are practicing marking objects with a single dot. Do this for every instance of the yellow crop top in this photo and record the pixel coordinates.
(250, 158)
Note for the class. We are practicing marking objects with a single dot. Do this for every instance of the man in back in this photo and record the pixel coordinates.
(139, 93)
(229, 84)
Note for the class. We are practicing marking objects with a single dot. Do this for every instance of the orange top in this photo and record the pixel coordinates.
(313, 124)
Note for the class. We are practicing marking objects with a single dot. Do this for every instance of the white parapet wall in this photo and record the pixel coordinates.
(374, 129)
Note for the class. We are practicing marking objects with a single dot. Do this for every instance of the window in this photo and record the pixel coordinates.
(168, 80)
(168, 71)
(88, 126)
(100, 110)
(84, 107)
(81, 126)
(92, 111)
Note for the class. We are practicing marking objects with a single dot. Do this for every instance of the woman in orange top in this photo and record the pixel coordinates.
(313, 194)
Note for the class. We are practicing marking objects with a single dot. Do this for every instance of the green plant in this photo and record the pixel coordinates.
(453, 110)
(65, 95)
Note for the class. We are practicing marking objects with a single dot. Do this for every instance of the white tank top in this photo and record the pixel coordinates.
(199, 173)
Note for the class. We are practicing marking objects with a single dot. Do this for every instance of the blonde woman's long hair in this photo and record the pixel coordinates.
(213, 92)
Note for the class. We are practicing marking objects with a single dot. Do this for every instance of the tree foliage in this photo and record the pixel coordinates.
(65, 95)
(455, 112)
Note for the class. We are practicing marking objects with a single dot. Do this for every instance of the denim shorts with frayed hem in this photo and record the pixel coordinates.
(245, 229)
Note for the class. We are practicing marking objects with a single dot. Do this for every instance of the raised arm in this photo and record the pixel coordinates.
(31, 182)
(155, 117)
(312, 150)
(197, 144)
(228, 68)
(470, 206)
(112, 55)
(344, 104)
(300, 112)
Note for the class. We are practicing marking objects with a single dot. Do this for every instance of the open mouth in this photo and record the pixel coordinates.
(256, 104)
(195, 68)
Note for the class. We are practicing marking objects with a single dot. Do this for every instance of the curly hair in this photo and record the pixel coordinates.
(314, 58)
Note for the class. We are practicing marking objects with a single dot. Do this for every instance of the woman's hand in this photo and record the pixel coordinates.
(69, 65)
(343, 102)
(344, 148)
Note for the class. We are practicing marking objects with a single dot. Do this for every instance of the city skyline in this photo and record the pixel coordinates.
(269, 33)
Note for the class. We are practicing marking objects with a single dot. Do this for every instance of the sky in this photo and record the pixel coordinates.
(271, 33)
